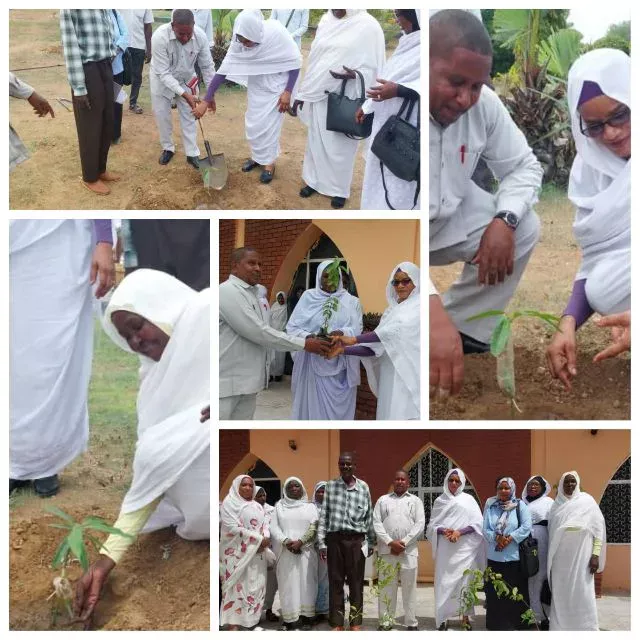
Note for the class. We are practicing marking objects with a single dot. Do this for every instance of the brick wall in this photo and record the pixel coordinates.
(366, 402)
(234, 444)
(227, 240)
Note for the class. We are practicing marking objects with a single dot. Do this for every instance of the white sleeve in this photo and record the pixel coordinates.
(432, 289)
(161, 66)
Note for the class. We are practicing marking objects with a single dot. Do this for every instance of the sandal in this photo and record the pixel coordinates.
(267, 176)
(249, 165)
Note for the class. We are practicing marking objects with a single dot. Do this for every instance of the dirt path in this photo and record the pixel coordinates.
(600, 392)
(50, 179)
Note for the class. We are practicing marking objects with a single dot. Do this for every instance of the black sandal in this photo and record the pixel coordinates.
(249, 165)
(307, 191)
(337, 202)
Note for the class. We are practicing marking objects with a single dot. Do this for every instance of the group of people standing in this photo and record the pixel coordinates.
(326, 370)
(312, 546)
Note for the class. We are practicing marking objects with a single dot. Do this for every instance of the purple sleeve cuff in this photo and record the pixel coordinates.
(218, 79)
(466, 530)
(363, 352)
(103, 231)
(578, 305)
(440, 531)
(365, 338)
(293, 76)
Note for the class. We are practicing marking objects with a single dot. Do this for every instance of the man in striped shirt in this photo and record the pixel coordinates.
(346, 538)
(88, 43)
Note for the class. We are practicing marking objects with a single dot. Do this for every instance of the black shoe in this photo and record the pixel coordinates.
(249, 165)
(471, 345)
(267, 176)
(166, 156)
(338, 203)
(193, 161)
(46, 487)
(271, 617)
(412, 628)
(444, 626)
(544, 625)
(14, 485)
(307, 191)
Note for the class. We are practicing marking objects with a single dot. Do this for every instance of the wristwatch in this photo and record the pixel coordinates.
(509, 218)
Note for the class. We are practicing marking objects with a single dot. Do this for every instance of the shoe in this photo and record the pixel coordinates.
(166, 156)
(98, 187)
(338, 203)
(544, 625)
(136, 108)
(471, 345)
(193, 161)
(47, 487)
(14, 485)
(412, 628)
(307, 191)
(444, 626)
(107, 176)
(118, 140)
(271, 617)
(267, 176)
(249, 165)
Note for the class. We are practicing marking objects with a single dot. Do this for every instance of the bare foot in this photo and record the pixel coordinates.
(107, 176)
(269, 167)
(98, 187)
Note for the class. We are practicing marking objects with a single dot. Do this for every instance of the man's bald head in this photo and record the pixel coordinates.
(239, 253)
(246, 265)
(182, 16)
(453, 28)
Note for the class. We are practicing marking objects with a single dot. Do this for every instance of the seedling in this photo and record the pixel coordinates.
(73, 548)
(501, 347)
(334, 274)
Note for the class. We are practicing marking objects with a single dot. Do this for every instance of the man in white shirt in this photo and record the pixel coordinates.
(492, 234)
(295, 20)
(398, 520)
(245, 338)
(139, 23)
(176, 49)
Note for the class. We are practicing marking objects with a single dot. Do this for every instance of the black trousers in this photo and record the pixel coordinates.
(177, 247)
(345, 561)
(504, 614)
(117, 110)
(137, 64)
(95, 125)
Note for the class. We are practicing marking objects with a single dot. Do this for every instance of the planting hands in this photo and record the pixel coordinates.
(496, 253)
(620, 324)
(446, 367)
(88, 589)
(561, 352)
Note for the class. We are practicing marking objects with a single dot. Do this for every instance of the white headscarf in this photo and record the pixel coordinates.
(453, 511)
(600, 181)
(278, 317)
(538, 508)
(319, 485)
(233, 503)
(355, 41)
(289, 503)
(276, 51)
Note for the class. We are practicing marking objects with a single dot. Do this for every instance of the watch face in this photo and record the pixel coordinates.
(512, 219)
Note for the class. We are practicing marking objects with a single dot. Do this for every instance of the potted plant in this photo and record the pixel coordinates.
(334, 273)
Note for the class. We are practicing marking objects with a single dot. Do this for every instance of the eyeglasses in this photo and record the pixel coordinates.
(405, 282)
(618, 119)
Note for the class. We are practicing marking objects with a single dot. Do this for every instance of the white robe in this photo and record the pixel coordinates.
(278, 321)
(50, 344)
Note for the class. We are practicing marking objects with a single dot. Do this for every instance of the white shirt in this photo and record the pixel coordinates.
(298, 25)
(405, 506)
(486, 131)
(204, 21)
(136, 19)
(245, 339)
(173, 63)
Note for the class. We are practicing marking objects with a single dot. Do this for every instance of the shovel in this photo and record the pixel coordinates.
(213, 167)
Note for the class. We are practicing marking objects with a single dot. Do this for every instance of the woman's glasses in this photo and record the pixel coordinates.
(405, 282)
(596, 129)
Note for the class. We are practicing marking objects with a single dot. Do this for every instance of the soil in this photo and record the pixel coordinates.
(50, 179)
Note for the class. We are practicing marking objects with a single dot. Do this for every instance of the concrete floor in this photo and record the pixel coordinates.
(274, 403)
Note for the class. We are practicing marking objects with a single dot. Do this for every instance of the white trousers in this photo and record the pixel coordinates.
(164, 121)
(465, 297)
(388, 597)
(238, 407)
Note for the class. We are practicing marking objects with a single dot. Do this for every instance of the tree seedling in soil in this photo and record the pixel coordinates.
(334, 274)
(73, 548)
(501, 347)
(476, 581)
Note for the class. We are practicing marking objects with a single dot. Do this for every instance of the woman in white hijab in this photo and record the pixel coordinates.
(457, 544)
(577, 550)
(293, 528)
(399, 80)
(265, 58)
(168, 325)
(599, 94)
(347, 40)
(536, 495)
(395, 375)
(278, 320)
(325, 389)
(244, 538)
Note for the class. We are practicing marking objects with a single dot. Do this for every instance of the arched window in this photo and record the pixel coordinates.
(426, 479)
(616, 505)
(266, 478)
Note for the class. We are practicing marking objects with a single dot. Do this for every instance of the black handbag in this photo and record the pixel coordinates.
(341, 113)
(397, 145)
(528, 548)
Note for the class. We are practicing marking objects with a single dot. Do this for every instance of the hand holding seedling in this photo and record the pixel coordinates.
(561, 352)
(446, 367)
(495, 255)
(314, 345)
(88, 589)
(620, 324)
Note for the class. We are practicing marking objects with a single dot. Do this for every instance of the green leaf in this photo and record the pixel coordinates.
(60, 513)
(500, 336)
(61, 554)
(76, 544)
(485, 314)
(97, 524)
(97, 545)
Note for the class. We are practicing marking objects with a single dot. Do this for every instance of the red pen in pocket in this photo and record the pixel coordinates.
(462, 152)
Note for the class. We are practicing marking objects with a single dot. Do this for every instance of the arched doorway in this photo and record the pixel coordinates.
(616, 505)
(266, 478)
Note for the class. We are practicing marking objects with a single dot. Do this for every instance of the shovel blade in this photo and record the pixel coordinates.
(214, 171)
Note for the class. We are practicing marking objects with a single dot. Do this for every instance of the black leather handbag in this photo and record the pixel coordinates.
(341, 113)
(397, 145)
(529, 560)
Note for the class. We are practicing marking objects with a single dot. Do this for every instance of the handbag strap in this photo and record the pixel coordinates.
(386, 192)
(361, 83)
(286, 26)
